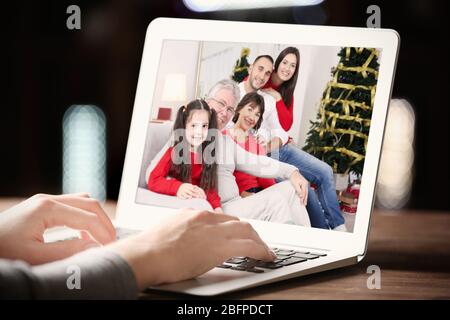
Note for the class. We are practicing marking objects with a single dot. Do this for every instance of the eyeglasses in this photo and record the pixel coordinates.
(229, 109)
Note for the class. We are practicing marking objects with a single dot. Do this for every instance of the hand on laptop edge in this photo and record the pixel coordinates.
(187, 245)
(22, 227)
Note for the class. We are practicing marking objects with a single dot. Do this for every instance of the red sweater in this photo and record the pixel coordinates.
(285, 114)
(246, 181)
(160, 182)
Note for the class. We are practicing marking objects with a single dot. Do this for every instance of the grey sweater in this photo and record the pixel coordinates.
(231, 157)
(102, 274)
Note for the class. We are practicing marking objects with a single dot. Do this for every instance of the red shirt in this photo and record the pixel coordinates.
(246, 181)
(285, 114)
(160, 182)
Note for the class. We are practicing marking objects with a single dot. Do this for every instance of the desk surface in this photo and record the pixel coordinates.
(412, 248)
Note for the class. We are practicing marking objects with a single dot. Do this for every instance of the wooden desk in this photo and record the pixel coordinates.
(412, 248)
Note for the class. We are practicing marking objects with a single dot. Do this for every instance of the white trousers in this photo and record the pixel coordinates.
(279, 203)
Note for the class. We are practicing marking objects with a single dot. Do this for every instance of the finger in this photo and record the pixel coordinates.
(248, 248)
(304, 186)
(301, 189)
(62, 249)
(298, 189)
(184, 195)
(195, 193)
(240, 230)
(300, 194)
(216, 218)
(188, 194)
(191, 193)
(203, 193)
(306, 196)
(261, 140)
(82, 201)
(200, 192)
(303, 198)
(60, 214)
(85, 235)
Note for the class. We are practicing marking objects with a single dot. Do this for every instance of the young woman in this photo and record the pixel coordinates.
(281, 84)
(182, 171)
(247, 119)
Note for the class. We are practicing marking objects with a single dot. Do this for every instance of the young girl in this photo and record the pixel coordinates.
(281, 84)
(182, 170)
(248, 118)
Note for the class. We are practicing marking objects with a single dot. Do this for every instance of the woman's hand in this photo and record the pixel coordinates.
(274, 144)
(22, 227)
(261, 141)
(274, 93)
(189, 191)
(176, 249)
(301, 186)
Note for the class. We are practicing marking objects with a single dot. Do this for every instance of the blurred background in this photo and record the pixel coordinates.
(60, 82)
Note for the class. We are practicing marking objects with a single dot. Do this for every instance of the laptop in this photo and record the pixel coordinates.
(208, 51)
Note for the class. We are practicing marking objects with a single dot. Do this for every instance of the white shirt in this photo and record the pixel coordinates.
(270, 126)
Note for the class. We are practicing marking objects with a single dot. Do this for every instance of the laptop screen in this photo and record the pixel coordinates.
(273, 132)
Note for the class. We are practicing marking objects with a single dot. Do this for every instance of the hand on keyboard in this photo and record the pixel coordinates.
(285, 257)
(187, 245)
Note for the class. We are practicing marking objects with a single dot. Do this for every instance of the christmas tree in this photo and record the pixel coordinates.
(339, 136)
(240, 70)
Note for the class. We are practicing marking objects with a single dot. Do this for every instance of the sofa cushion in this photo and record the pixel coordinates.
(158, 133)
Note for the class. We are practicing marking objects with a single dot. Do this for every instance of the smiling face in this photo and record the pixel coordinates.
(224, 104)
(248, 117)
(197, 127)
(259, 73)
(286, 68)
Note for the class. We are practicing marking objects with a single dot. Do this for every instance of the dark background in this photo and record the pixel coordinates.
(46, 68)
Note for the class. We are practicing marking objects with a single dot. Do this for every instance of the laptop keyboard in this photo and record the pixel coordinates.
(285, 257)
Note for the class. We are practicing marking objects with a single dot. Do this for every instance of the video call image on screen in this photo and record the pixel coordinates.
(232, 125)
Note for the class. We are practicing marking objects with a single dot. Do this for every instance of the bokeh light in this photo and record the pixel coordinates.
(216, 5)
(84, 151)
(397, 161)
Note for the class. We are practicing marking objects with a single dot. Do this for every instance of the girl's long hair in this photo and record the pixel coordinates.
(287, 88)
(183, 170)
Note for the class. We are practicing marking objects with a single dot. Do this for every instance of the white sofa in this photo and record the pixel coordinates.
(157, 136)
(158, 133)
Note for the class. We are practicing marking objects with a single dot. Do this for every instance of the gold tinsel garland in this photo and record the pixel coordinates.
(326, 116)
(244, 53)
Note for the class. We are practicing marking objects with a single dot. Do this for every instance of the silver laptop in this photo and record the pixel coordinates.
(183, 59)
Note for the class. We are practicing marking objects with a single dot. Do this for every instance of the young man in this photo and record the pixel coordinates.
(325, 214)
(271, 131)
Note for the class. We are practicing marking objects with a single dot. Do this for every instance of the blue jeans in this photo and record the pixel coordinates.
(323, 206)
